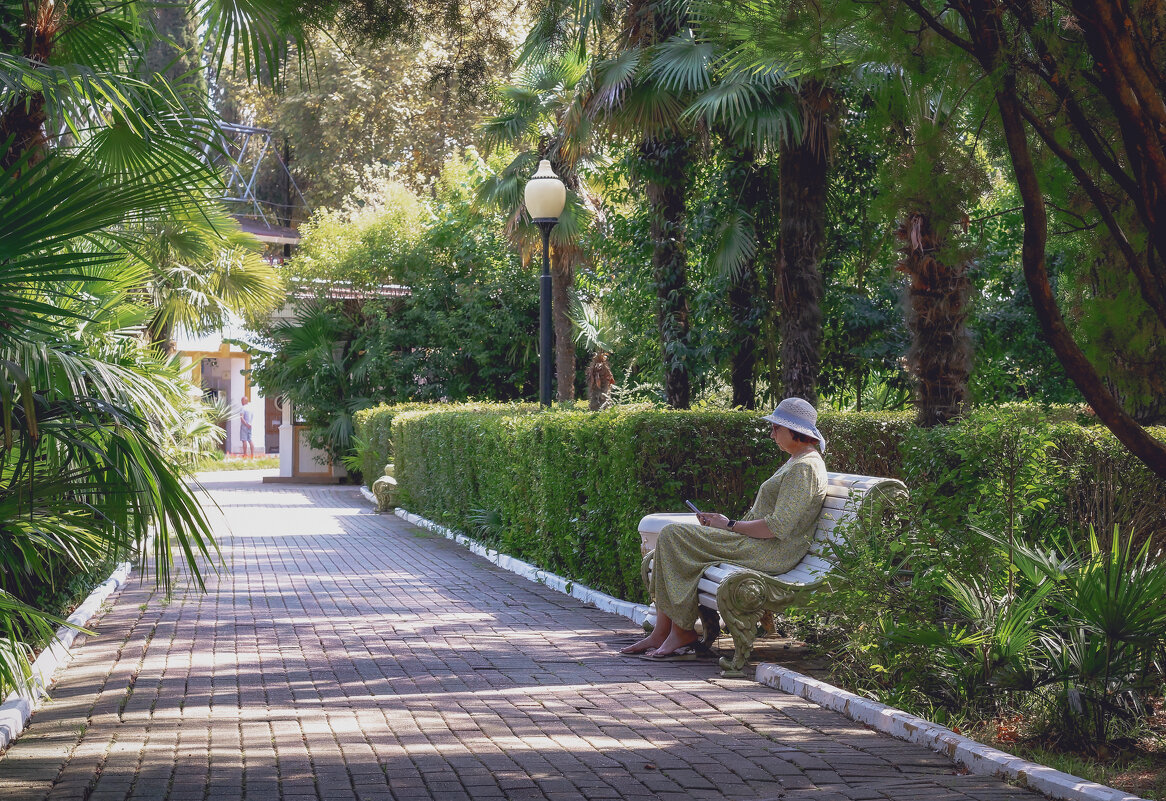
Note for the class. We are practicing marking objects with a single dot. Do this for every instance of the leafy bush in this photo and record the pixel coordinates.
(466, 327)
(565, 489)
(988, 593)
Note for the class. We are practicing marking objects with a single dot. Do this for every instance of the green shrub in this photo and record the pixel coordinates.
(373, 432)
(988, 593)
(565, 489)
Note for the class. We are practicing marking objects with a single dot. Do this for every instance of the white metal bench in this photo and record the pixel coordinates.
(741, 596)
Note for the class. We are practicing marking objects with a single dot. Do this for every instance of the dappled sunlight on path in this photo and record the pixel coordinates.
(346, 655)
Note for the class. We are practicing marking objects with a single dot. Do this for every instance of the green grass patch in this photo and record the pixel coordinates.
(213, 464)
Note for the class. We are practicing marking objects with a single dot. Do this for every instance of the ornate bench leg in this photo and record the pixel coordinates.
(742, 598)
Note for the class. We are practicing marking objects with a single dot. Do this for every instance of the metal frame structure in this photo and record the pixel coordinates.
(236, 142)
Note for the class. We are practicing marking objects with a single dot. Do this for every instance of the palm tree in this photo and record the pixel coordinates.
(93, 152)
(756, 84)
(542, 115)
(86, 409)
(755, 115)
(598, 333)
(628, 100)
(201, 269)
(932, 182)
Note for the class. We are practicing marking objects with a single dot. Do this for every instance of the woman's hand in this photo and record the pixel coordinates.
(713, 520)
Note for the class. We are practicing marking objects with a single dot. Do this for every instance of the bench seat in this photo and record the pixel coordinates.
(741, 596)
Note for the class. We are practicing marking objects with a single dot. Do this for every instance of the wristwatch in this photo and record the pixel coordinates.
(731, 524)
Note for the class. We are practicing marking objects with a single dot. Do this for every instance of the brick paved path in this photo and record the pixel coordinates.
(347, 655)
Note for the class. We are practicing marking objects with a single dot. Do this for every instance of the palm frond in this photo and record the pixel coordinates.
(682, 63)
(649, 110)
(613, 78)
(726, 101)
(507, 128)
(736, 243)
(76, 95)
(768, 127)
(255, 33)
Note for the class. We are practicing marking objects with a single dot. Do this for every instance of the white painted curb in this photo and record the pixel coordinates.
(637, 613)
(978, 758)
(19, 706)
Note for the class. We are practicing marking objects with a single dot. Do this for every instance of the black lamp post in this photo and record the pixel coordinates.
(545, 197)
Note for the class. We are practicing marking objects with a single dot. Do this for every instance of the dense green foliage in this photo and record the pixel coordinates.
(110, 236)
(566, 489)
(460, 322)
(1022, 578)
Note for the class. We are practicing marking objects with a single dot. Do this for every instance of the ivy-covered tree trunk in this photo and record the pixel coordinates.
(175, 52)
(562, 279)
(23, 119)
(804, 170)
(663, 162)
(745, 298)
(940, 359)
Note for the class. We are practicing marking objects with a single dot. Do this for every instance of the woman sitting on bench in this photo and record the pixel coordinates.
(772, 537)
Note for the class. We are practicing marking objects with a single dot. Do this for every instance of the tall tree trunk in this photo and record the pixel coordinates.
(804, 169)
(664, 164)
(767, 265)
(24, 118)
(941, 352)
(744, 291)
(562, 279)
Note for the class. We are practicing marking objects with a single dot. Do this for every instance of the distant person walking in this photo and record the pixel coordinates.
(246, 421)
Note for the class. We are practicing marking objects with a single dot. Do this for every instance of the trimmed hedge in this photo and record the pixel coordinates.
(565, 489)
(373, 428)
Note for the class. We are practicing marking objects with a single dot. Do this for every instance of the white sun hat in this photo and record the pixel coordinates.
(800, 416)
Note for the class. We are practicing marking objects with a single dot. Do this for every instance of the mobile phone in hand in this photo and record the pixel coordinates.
(692, 506)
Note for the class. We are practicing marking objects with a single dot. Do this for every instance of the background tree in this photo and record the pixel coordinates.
(542, 115)
(403, 298)
(369, 110)
(1087, 85)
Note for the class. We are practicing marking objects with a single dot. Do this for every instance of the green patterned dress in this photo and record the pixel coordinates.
(790, 501)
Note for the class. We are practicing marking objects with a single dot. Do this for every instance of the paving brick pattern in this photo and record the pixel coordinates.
(346, 655)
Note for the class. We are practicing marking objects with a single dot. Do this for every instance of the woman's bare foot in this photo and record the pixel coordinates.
(677, 639)
(649, 643)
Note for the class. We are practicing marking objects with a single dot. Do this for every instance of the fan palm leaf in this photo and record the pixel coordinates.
(682, 64)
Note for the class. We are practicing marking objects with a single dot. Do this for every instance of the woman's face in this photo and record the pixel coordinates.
(782, 436)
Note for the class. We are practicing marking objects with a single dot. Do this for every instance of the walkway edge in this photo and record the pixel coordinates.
(19, 705)
(637, 613)
(976, 757)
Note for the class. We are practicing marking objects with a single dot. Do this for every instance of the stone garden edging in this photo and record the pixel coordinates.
(976, 757)
(19, 705)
